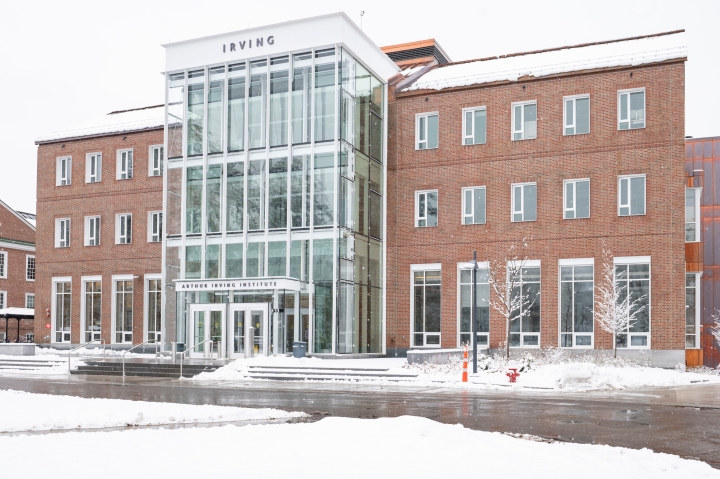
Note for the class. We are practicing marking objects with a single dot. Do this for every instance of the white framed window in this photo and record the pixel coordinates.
(30, 300)
(524, 120)
(426, 131)
(29, 267)
(426, 208)
(29, 337)
(525, 321)
(631, 195)
(576, 115)
(3, 264)
(3, 299)
(92, 231)
(425, 307)
(482, 304)
(123, 228)
(93, 167)
(692, 310)
(631, 109)
(473, 205)
(124, 164)
(91, 308)
(154, 226)
(155, 168)
(63, 174)
(524, 202)
(692, 214)
(576, 198)
(62, 232)
(576, 303)
(153, 307)
(123, 309)
(62, 296)
(474, 125)
(632, 276)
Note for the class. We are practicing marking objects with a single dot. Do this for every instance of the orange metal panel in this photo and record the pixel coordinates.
(693, 358)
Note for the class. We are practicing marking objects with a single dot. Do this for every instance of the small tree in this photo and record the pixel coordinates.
(715, 329)
(507, 284)
(615, 311)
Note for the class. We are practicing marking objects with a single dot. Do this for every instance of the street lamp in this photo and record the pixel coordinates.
(473, 313)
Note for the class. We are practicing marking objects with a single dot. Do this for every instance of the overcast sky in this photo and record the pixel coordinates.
(65, 61)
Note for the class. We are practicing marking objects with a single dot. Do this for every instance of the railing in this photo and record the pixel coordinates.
(137, 346)
(101, 341)
(182, 355)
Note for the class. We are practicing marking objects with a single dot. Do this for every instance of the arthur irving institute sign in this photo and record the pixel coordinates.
(239, 285)
(241, 45)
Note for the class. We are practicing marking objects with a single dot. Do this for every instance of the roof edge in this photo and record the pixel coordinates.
(2, 203)
(97, 135)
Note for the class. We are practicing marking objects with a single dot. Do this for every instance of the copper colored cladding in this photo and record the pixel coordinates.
(702, 155)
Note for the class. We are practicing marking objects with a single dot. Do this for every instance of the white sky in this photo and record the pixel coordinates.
(64, 62)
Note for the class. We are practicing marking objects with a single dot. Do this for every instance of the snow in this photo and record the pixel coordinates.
(121, 122)
(614, 54)
(43, 412)
(335, 447)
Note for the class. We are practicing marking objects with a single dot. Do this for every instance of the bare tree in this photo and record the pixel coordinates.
(615, 310)
(507, 282)
(715, 329)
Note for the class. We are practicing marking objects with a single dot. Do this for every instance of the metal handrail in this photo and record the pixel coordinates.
(101, 341)
(137, 346)
(182, 355)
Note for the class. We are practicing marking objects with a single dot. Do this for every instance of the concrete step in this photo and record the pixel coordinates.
(317, 377)
(319, 368)
(328, 372)
(114, 368)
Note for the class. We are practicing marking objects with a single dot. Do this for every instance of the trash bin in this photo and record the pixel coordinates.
(179, 347)
(299, 349)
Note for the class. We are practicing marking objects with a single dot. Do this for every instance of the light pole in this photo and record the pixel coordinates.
(473, 313)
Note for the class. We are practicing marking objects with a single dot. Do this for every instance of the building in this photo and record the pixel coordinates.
(17, 272)
(99, 209)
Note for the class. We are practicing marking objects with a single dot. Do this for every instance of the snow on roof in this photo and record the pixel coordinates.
(29, 217)
(116, 122)
(624, 52)
(15, 312)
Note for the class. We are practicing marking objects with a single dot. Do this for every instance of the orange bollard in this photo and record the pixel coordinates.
(465, 365)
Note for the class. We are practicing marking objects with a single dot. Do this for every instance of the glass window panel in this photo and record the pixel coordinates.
(529, 202)
(518, 119)
(479, 205)
(300, 191)
(234, 260)
(257, 100)
(301, 121)
(214, 112)
(277, 255)
(324, 189)
(637, 195)
(432, 209)
(468, 206)
(192, 262)
(324, 95)
(235, 195)
(569, 117)
(236, 107)
(213, 261)
(279, 84)
(193, 200)
(214, 193)
(278, 193)
(376, 137)
(582, 121)
(468, 127)
(624, 107)
(637, 109)
(299, 259)
(570, 200)
(480, 126)
(422, 135)
(195, 118)
(255, 267)
(582, 192)
(530, 121)
(375, 215)
(376, 180)
(256, 195)
(432, 131)
(175, 114)
(323, 260)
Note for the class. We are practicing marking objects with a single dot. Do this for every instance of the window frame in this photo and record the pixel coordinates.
(532, 263)
(464, 125)
(121, 218)
(4, 270)
(146, 306)
(522, 199)
(29, 257)
(89, 159)
(698, 308)
(58, 232)
(628, 91)
(425, 115)
(66, 336)
(522, 104)
(413, 269)
(417, 208)
(97, 336)
(573, 99)
(696, 207)
(114, 331)
(463, 214)
(89, 240)
(565, 208)
(482, 265)
(29, 295)
(629, 195)
(61, 180)
(634, 260)
(127, 172)
(151, 233)
(575, 262)
(3, 300)
(152, 170)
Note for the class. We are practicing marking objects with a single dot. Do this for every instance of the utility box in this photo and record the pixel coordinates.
(249, 341)
(180, 347)
(299, 349)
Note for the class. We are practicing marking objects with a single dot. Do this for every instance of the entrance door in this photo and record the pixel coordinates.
(207, 323)
(242, 315)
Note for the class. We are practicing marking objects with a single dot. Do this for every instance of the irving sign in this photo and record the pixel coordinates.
(259, 42)
(241, 284)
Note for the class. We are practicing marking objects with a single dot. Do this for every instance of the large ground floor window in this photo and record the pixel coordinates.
(154, 304)
(482, 307)
(634, 279)
(576, 306)
(692, 310)
(123, 311)
(63, 297)
(525, 321)
(93, 310)
(426, 307)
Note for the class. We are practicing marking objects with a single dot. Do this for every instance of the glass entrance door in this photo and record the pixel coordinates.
(241, 317)
(207, 323)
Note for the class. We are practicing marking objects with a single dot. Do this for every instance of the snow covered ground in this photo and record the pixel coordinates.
(42, 412)
(333, 447)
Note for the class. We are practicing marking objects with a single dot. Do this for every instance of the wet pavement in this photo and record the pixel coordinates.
(683, 420)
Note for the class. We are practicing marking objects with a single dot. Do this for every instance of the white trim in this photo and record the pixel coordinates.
(425, 115)
(463, 136)
(151, 158)
(564, 193)
(425, 266)
(83, 311)
(528, 263)
(98, 167)
(417, 208)
(480, 265)
(628, 205)
(27, 258)
(128, 171)
(26, 300)
(3, 295)
(119, 219)
(463, 205)
(522, 132)
(146, 304)
(88, 220)
(150, 232)
(61, 180)
(19, 247)
(628, 91)
(640, 260)
(574, 125)
(521, 211)
(113, 303)
(697, 192)
(631, 260)
(53, 307)
(576, 262)
(4, 272)
(58, 235)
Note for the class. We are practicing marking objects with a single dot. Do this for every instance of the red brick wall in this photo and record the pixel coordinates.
(12, 227)
(138, 196)
(601, 155)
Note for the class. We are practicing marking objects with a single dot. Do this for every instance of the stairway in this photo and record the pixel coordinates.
(300, 373)
(28, 364)
(147, 369)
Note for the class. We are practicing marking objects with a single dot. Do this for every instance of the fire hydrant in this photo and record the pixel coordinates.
(513, 375)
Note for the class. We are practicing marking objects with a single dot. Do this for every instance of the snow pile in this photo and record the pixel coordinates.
(338, 447)
(612, 54)
(44, 412)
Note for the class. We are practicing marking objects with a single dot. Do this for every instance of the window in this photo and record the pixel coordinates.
(576, 304)
(426, 208)
(576, 115)
(426, 131)
(577, 199)
(193, 261)
(692, 214)
(426, 307)
(155, 226)
(63, 298)
(62, 233)
(474, 205)
(3, 264)
(92, 231)
(63, 175)
(123, 311)
(631, 109)
(30, 267)
(123, 229)
(525, 321)
(29, 337)
(631, 195)
(3, 299)
(92, 322)
(154, 308)
(30, 300)
(193, 200)
(124, 164)
(692, 311)
(524, 202)
(634, 279)
(474, 126)
(93, 167)
(482, 306)
(524, 120)
(156, 160)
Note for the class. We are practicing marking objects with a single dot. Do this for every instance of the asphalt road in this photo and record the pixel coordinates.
(655, 419)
